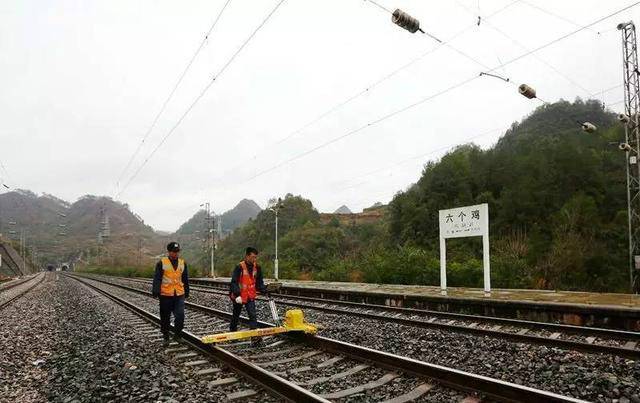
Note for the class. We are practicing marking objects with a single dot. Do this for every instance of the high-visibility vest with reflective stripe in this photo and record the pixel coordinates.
(172, 278)
(247, 283)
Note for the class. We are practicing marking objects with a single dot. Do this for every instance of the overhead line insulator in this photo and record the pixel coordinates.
(405, 21)
(527, 91)
(623, 118)
(589, 127)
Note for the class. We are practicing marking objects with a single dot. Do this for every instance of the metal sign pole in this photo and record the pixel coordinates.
(443, 266)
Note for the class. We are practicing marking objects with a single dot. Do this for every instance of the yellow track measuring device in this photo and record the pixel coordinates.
(293, 322)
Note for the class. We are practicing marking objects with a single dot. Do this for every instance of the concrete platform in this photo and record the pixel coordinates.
(617, 311)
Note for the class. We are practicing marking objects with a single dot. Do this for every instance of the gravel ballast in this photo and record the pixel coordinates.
(66, 343)
(594, 377)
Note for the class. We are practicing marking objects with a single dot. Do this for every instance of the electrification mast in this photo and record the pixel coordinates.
(210, 228)
(632, 142)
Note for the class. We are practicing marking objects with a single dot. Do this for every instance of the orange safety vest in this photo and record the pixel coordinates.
(247, 283)
(172, 278)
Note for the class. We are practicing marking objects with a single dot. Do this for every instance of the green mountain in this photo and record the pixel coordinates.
(244, 211)
(193, 224)
(60, 231)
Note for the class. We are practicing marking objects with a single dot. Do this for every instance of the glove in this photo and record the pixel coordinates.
(238, 300)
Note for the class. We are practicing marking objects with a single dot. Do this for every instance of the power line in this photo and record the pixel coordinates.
(381, 6)
(456, 180)
(415, 157)
(200, 95)
(6, 174)
(555, 130)
(519, 44)
(374, 84)
(422, 155)
(608, 89)
(545, 11)
(173, 90)
(430, 97)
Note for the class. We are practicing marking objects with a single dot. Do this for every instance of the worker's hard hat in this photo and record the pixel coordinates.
(173, 247)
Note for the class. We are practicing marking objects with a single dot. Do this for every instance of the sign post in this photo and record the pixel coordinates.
(464, 222)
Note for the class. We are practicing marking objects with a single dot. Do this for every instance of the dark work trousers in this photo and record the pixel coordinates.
(251, 311)
(170, 305)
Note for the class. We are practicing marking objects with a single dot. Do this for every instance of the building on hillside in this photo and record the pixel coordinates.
(368, 216)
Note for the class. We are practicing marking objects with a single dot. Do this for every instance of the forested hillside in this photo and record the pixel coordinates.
(61, 231)
(556, 195)
(557, 203)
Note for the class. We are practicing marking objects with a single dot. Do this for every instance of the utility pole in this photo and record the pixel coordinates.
(23, 251)
(276, 208)
(632, 143)
(210, 236)
(275, 261)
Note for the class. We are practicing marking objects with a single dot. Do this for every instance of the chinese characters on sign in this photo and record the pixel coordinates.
(464, 222)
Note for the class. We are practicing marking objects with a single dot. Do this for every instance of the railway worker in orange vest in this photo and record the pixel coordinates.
(171, 286)
(246, 282)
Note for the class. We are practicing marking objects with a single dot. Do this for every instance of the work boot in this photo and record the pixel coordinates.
(166, 340)
(177, 337)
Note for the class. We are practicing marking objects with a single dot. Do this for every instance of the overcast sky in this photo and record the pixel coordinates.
(82, 81)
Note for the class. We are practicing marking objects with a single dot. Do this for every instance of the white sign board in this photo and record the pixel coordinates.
(465, 222)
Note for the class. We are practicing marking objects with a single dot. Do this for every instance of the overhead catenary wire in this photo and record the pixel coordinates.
(424, 154)
(560, 17)
(379, 5)
(554, 130)
(608, 89)
(522, 46)
(439, 93)
(395, 164)
(6, 175)
(173, 91)
(201, 94)
(368, 89)
(390, 75)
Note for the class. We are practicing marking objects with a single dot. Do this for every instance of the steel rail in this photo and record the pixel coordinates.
(265, 379)
(495, 388)
(457, 379)
(15, 282)
(21, 293)
(516, 337)
(573, 329)
(593, 331)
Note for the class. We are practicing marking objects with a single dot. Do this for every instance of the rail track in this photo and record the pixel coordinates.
(315, 368)
(14, 290)
(578, 338)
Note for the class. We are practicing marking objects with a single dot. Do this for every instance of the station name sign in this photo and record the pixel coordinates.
(464, 221)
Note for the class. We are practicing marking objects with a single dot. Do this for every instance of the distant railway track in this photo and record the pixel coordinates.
(10, 283)
(578, 338)
(282, 367)
(14, 290)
